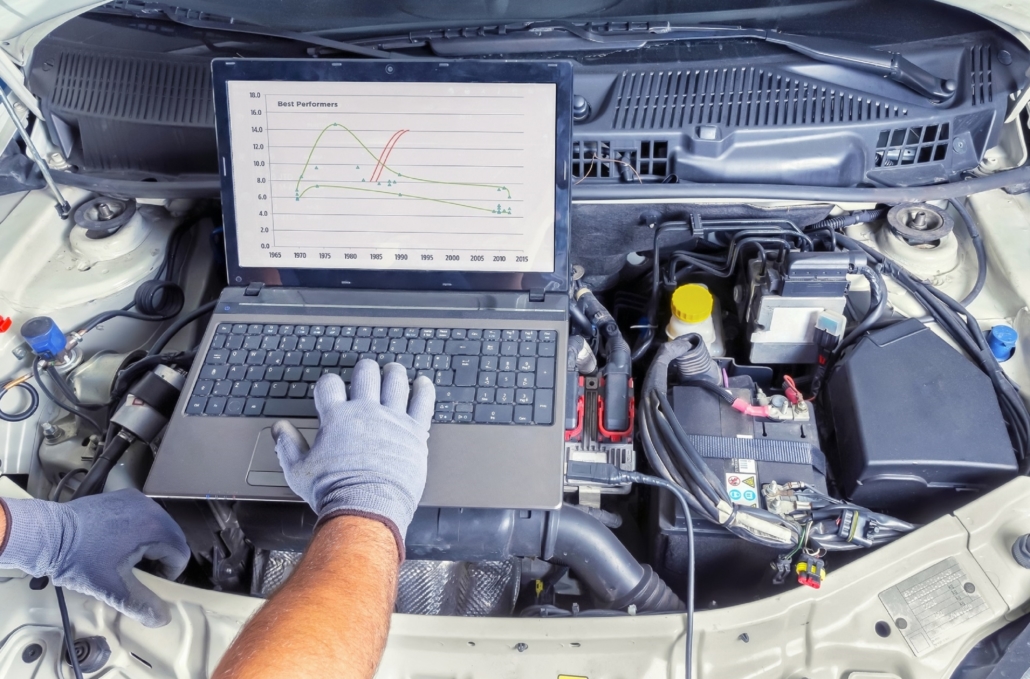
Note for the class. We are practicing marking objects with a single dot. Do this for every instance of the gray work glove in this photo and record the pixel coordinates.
(370, 454)
(91, 544)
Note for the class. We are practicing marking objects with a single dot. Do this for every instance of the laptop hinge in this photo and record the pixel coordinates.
(253, 289)
(536, 295)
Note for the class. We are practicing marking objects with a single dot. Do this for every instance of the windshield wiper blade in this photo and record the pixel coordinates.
(566, 36)
(203, 20)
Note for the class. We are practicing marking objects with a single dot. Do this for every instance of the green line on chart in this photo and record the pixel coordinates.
(499, 187)
(391, 193)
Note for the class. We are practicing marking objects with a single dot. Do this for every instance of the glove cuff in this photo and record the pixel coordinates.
(380, 502)
(35, 532)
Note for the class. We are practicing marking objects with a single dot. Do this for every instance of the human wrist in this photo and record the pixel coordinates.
(35, 531)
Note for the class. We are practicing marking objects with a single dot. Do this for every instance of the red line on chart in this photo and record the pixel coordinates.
(384, 156)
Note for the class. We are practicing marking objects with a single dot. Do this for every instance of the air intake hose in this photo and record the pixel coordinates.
(569, 537)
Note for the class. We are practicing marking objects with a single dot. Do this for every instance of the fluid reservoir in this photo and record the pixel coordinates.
(695, 309)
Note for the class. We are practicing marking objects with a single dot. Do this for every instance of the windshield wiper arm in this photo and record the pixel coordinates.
(566, 36)
(202, 20)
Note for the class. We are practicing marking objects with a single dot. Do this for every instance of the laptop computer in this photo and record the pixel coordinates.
(407, 211)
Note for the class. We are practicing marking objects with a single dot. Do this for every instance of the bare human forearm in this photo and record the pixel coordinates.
(331, 617)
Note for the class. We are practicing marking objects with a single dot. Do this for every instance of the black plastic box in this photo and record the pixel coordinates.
(915, 422)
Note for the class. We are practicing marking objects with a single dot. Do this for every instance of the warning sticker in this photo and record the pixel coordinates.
(935, 606)
(742, 489)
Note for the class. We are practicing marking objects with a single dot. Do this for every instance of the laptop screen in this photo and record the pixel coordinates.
(407, 174)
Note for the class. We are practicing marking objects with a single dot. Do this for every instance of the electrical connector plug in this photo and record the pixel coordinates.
(600, 473)
(811, 571)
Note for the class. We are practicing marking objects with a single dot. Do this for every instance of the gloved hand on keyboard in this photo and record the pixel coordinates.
(370, 454)
(90, 545)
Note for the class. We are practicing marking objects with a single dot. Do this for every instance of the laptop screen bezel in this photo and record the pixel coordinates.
(309, 70)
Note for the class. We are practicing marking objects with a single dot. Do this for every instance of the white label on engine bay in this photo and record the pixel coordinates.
(934, 606)
(742, 489)
(745, 465)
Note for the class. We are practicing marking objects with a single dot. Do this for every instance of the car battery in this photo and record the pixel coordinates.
(745, 453)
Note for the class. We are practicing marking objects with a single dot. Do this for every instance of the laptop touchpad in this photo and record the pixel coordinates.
(264, 465)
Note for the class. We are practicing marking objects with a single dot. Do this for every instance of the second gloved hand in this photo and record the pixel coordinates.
(90, 545)
(370, 455)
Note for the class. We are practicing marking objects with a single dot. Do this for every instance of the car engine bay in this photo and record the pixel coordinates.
(760, 385)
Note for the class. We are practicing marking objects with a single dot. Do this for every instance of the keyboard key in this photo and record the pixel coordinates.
(222, 388)
(330, 359)
(474, 334)
(239, 329)
(428, 374)
(217, 357)
(398, 345)
(395, 332)
(416, 346)
(293, 357)
(441, 362)
(379, 332)
(255, 329)
(427, 333)
(306, 343)
(218, 341)
(241, 388)
(237, 372)
(443, 333)
(234, 342)
(215, 405)
(525, 380)
(509, 348)
(343, 344)
(235, 406)
(548, 336)
(545, 373)
(203, 388)
(491, 348)
(504, 395)
(325, 343)
(289, 343)
(290, 408)
(487, 379)
(214, 372)
(285, 329)
(332, 330)
(510, 335)
(458, 333)
(524, 396)
(527, 348)
(279, 389)
(542, 406)
(444, 407)
(410, 333)
(275, 357)
(494, 414)
(523, 414)
(224, 328)
(529, 335)
(466, 370)
(348, 359)
(312, 373)
(274, 373)
(434, 346)
(488, 363)
(237, 356)
(255, 373)
(527, 365)
(423, 361)
(256, 357)
(254, 407)
(252, 342)
(506, 380)
(492, 335)
(364, 331)
(444, 378)
(311, 358)
(361, 344)
(196, 405)
(298, 389)
(300, 330)
(546, 348)
(318, 330)
(507, 364)
(407, 360)
(294, 373)
(379, 345)
(462, 417)
(260, 389)
(464, 407)
(463, 347)
(270, 342)
(384, 358)
(347, 331)
(442, 416)
(484, 395)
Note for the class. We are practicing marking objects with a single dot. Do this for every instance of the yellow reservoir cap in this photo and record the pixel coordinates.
(692, 303)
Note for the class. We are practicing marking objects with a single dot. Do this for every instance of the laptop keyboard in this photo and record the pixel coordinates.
(481, 376)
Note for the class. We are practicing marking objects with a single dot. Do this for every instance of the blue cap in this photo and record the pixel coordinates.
(43, 335)
(1002, 341)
